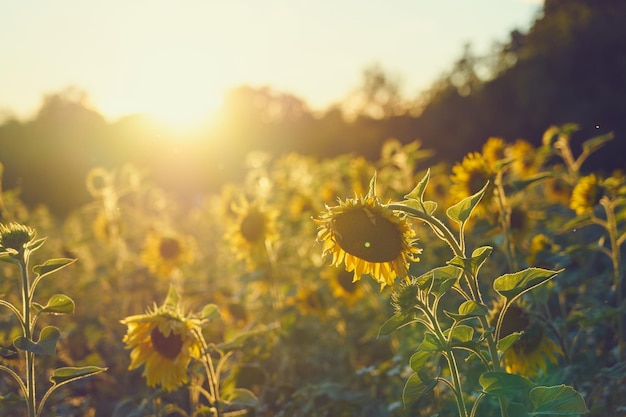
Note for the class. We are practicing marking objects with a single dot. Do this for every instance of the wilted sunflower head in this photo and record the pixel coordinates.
(586, 194)
(369, 238)
(163, 252)
(531, 353)
(163, 340)
(470, 176)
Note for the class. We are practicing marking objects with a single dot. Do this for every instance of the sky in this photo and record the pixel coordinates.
(176, 60)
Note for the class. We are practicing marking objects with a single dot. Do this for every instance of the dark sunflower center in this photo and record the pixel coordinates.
(515, 320)
(344, 279)
(531, 339)
(169, 248)
(169, 346)
(368, 236)
(252, 227)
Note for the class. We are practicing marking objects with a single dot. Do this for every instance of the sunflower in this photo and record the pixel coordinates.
(342, 287)
(470, 176)
(585, 195)
(253, 226)
(493, 150)
(164, 340)
(368, 238)
(523, 155)
(531, 353)
(164, 252)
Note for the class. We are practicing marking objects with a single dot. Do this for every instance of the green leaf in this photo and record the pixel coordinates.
(372, 188)
(52, 265)
(516, 410)
(506, 342)
(240, 396)
(35, 244)
(472, 265)
(46, 345)
(210, 312)
(57, 304)
(419, 359)
(11, 399)
(393, 323)
(515, 284)
(68, 374)
(427, 207)
(468, 310)
(502, 384)
(559, 400)
(430, 344)
(461, 333)
(439, 280)
(593, 144)
(414, 389)
(418, 192)
(462, 210)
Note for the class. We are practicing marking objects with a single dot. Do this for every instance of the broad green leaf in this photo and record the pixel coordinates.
(472, 265)
(414, 389)
(240, 396)
(469, 309)
(57, 304)
(430, 344)
(559, 400)
(516, 410)
(502, 384)
(393, 323)
(461, 333)
(210, 312)
(439, 280)
(593, 144)
(418, 192)
(462, 210)
(419, 359)
(427, 207)
(506, 342)
(515, 284)
(67, 374)
(46, 345)
(52, 265)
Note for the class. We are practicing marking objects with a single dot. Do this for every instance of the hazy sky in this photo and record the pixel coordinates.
(176, 59)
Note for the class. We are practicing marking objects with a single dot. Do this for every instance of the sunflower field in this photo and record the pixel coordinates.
(332, 288)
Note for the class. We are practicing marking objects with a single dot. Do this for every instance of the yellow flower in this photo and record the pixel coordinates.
(308, 301)
(531, 353)
(493, 150)
(342, 287)
(368, 238)
(523, 155)
(163, 341)
(585, 195)
(469, 177)
(162, 253)
(253, 226)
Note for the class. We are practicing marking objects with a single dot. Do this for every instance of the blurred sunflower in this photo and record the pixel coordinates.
(493, 150)
(586, 194)
(253, 226)
(163, 252)
(308, 301)
(368, 238)
(531, 353)
(524, 158)
(164, 340)
(469, 177)
(342, 287)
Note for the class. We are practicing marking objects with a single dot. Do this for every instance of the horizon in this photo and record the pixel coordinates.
(177, 64)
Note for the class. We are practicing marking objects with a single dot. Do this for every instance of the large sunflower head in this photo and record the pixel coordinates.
(586, 194)
(163, 252)
(470, 176)
(163, 340)
(254, 225)
(531, 353)
(368, 238)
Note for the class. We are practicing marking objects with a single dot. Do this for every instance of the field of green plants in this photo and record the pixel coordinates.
(337, 287)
